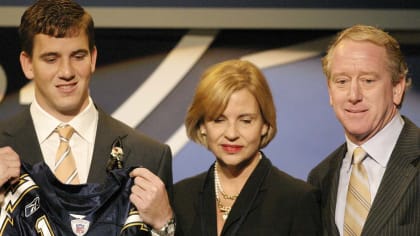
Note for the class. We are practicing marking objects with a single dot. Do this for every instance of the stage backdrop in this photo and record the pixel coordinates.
(146, 78)
(151, 55)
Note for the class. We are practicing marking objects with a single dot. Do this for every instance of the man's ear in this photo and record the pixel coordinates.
(26, 64)
(398, 91)
(94, 56)
(329, 93)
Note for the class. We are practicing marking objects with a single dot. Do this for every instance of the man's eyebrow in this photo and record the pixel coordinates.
(80, 51)
(47, 54)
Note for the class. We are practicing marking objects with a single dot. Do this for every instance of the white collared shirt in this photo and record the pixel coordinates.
(379, 149)
(81, 143)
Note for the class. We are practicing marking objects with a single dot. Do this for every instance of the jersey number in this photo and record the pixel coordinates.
(43, 227)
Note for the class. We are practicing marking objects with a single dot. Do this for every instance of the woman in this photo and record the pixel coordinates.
(233, 115)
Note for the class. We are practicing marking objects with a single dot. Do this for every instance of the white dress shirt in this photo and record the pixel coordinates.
(378, 149)
(81, 143)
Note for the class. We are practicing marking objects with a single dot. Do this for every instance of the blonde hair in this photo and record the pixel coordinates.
(213, 92)
(397, 65)
(396, 61)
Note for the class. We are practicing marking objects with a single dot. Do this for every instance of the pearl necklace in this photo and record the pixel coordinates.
(225, 210)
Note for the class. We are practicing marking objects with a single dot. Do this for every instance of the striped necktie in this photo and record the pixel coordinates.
(65, 165)
(358, 196)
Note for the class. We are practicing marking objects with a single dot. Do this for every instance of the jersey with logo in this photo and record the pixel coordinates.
(39, 204)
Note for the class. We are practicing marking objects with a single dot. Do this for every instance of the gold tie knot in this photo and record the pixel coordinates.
(358, 155)
(65, 131)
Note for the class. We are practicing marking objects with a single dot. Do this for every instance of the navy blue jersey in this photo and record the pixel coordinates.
(39, 204)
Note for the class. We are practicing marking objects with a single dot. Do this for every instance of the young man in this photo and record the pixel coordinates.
(59, 55)
(378, 195)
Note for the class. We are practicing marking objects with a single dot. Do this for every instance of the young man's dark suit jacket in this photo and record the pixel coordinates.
(270, 203)
(19, 133)
(396, 207)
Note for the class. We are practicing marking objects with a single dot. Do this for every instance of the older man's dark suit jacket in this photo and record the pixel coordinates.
(19, 133)
(396, 207)
(270, 203)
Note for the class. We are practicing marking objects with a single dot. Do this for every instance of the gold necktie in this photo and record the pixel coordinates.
(65, 165)
(358, 196)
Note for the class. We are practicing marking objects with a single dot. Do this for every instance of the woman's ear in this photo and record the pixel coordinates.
(264, 130)
(203, 130)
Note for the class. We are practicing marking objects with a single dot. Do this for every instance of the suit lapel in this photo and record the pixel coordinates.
(248, 198)
(21, 136)
(208, 206)
(397, 177)
(106, 133)
(332, 182)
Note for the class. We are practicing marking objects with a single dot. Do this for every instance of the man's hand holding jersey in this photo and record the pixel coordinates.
(149, 196)
(9, 168)
(9, 165)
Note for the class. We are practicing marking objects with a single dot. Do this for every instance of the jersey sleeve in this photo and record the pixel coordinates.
(134, 225)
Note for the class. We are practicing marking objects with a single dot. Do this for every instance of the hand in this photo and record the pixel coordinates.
(149, 196)
(9, 165)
